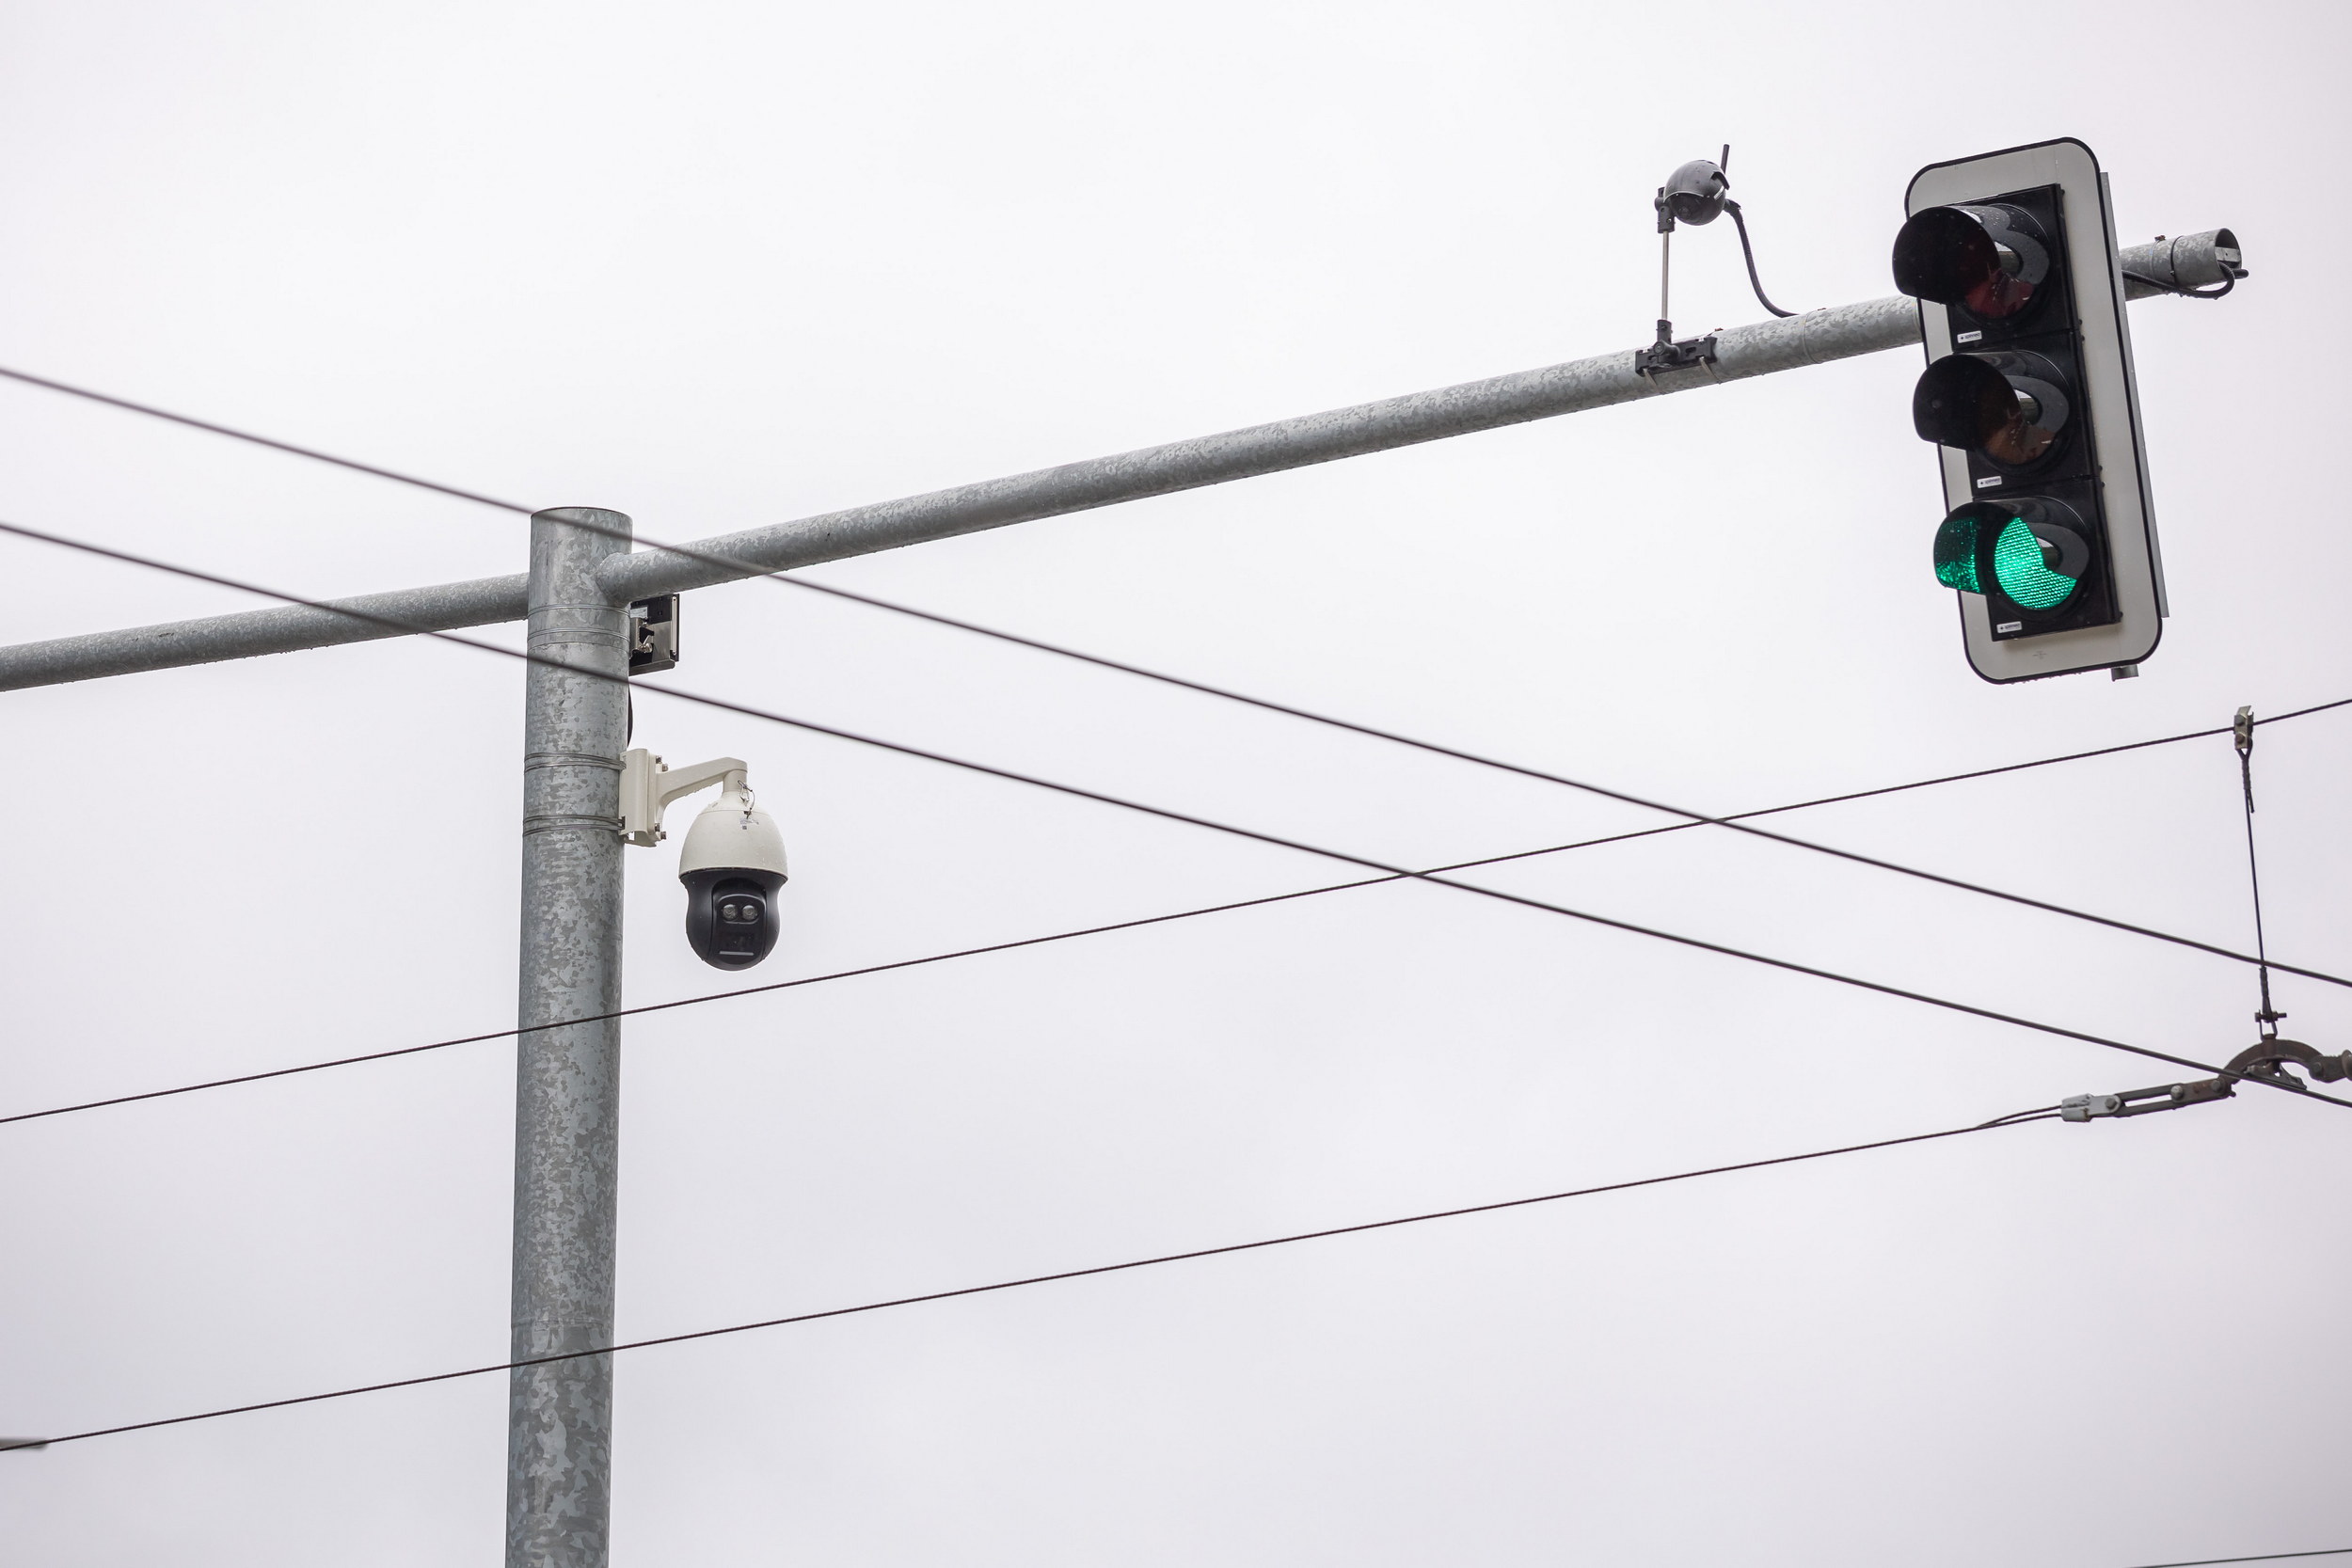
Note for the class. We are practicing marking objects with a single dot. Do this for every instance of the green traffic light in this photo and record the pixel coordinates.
(2023, 563)
(1956, 552)
(2021, 567)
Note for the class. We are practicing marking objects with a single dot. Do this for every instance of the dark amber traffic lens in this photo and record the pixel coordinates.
(1962, 402)
(2018, 442)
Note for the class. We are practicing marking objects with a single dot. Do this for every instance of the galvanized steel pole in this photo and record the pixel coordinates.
(559, 1453)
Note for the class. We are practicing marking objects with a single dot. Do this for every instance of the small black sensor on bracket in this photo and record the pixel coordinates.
(653, 634)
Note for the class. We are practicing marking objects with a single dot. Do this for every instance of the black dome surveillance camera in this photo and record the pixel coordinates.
(1694, 192)
(732, 867)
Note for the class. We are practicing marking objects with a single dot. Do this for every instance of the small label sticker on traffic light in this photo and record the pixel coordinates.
(2028, 394)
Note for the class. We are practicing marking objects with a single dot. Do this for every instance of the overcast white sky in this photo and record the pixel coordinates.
(720, 264)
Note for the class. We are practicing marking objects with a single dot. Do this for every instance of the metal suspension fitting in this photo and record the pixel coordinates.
(2266, 1059)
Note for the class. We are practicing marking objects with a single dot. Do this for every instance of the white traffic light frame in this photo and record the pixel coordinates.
(2119, 454)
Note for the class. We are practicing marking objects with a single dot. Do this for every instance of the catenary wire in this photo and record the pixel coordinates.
(1736, 823)
(235, 434)
(836, 975)
(685, 1001)
(1167, 813)
(2266, 1557)
(1692, 819)
(863, 970)
(1695, 820)
(2015, 1119)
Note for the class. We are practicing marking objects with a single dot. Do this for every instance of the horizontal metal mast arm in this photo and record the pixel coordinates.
(288, 628)
(1475, 406)
(1812, 338)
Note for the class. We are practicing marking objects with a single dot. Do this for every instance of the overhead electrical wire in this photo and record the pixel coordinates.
(1079, 792)
(1692, 818)
(1013, 945)
(2014, 1119)
(2266, 1557)
(235, 435)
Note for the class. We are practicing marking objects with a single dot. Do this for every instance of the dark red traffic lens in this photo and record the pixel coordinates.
(1946, 255)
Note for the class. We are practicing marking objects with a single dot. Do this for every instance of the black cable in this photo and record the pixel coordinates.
(232, 433)
(2017, 1119)
(1166, 814)
(851, 974)
(1740, 223)
(1693, 818)
(2296, 713)
(879, 969)
(400, 478)
(691, 1000)
(2176, 290)
(2266, 1557)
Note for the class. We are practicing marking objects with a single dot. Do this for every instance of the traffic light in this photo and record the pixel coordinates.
(2028, 395)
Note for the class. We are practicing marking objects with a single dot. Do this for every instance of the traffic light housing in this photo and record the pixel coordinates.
(2028, 396)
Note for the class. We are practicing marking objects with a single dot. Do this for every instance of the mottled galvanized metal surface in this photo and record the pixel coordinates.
(1760, 349)
(1296, 443)
(288, 628)
(567, 1080)
(2184, 262)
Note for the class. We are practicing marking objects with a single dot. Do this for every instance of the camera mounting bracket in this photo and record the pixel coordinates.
(648, 785)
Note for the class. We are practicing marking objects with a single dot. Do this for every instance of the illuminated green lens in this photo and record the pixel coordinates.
(1956, 553)
(2024, 575)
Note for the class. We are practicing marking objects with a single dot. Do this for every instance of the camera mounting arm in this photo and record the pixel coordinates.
(648, 785)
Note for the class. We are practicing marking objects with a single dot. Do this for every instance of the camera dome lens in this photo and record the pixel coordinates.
(731, 912)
